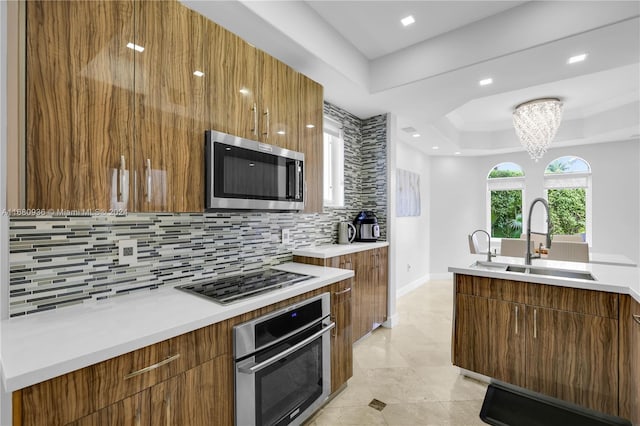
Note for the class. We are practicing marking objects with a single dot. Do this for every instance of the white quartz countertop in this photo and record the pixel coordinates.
(612, 278)
(333, 250)
(41, 346)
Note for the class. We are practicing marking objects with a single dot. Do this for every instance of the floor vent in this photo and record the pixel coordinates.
(377, 404)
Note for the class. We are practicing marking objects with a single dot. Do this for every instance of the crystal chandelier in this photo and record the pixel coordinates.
(536, 123)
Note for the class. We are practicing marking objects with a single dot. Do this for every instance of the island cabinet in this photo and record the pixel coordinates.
(629, 404)
(119, 94)
(370, 285)
(185, 380)
(558, 341)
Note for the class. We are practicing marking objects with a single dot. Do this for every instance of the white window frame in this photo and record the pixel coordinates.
(333, 169)
(503, 184)
(571, 181)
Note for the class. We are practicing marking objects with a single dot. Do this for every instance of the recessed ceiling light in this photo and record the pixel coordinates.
(577, 58)
(280, 132)
(435, 147)
(135, 47)
(485, 81)
(408, 20)
(457, 153)
(198, 73)
(416, 135)
(244, 91)
(310, 126)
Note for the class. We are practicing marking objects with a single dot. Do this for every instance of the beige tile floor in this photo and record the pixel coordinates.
(409, 368)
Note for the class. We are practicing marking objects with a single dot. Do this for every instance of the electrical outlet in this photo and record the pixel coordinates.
(128, 252)
(408, 267)
(286, 236)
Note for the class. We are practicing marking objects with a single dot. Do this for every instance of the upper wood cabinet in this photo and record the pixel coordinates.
(170, 80)
(119, 95)
(310, 134)
(79, 104)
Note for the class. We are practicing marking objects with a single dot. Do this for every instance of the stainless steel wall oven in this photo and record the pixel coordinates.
(283, 364)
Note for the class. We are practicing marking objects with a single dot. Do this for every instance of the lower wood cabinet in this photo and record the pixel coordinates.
(490, 338)
(370, 286)
(629, 403)
(341, 338)
(200, 396)
(558, 341)
(186, 380)
(132, 411)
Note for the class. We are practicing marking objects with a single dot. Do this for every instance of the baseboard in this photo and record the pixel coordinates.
(392, 321)
(408, 288)
(441, 276)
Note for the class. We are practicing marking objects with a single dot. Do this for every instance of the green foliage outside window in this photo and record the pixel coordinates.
(506, 213)
(568, 210)
(506, 207)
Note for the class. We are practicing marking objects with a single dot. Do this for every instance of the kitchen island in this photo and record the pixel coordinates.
(565, 329)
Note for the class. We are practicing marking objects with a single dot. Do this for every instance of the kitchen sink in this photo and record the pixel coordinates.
(534, 270)
(564, 273)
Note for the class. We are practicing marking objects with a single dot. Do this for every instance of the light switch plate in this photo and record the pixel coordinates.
(128, 252)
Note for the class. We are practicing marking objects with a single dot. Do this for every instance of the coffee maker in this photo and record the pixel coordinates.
(367, 228)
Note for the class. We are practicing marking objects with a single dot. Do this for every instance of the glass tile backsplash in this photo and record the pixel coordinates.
(60, 261)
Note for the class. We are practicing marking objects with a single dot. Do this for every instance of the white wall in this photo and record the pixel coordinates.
(458, 197)
(412, 232)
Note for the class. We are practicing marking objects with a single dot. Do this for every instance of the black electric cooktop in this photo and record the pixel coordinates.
(234, 288)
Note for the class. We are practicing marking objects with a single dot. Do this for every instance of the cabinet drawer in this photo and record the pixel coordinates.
(66, 398)
(582, 301)
(492, 288)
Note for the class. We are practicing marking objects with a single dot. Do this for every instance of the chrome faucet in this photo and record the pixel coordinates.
(489, 255)
(528, 255)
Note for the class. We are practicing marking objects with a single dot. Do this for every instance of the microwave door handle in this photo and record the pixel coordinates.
(291, 180)
(267, 362)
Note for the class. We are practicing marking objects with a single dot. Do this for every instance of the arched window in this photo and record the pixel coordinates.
(505, 186)
(567, 181)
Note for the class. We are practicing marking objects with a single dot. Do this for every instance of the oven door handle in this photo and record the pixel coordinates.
(267, 362)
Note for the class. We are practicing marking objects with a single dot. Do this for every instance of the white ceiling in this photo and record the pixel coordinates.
(427, 74)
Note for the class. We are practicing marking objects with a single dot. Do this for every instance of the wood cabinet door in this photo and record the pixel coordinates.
(380, 285)
(132, 411)
(279, 103)
(170, 107)
(629, 365)
(231, 83)
(363, 294)
(573, 357)
(79, 103)
(342, 341)
(489, 337)
(202, 396)
(310, 130)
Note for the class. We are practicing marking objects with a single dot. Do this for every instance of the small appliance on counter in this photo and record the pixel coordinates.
(346, 233)
(367, 229)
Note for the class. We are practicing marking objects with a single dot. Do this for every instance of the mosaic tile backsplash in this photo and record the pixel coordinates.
(60, 261)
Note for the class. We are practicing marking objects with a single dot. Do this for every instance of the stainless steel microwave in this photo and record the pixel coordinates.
(244, 174)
